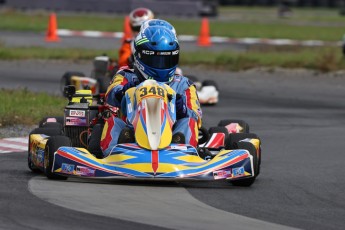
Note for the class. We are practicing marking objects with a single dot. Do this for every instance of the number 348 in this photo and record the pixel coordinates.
(152, 90)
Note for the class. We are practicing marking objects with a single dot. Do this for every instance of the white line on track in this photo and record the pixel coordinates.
(169, 207)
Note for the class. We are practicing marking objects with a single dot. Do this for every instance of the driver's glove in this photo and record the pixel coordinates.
(181, 109)
(119, 94)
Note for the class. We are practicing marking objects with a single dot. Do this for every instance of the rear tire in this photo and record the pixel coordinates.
(45, 131)
(94, 145)
(218, 129)
(203, 135)
(43, 122)
(52, 145)
(242, 123)
(234, 138)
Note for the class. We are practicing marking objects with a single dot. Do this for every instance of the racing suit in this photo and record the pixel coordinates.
(188, 125)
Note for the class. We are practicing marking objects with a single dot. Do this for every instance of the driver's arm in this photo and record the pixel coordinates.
(115, 90)
(193, 105)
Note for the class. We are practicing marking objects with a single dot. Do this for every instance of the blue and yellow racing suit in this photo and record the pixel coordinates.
(188, 125)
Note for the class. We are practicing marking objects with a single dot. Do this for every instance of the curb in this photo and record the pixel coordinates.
(214, 39)
(14, 144)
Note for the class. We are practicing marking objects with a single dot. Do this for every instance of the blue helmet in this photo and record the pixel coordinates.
(156, 53)
(157, 22)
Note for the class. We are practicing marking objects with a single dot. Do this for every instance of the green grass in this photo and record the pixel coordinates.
(266, 14)
(322, 59)
(318, 58)
(27, 108)
(304, 24)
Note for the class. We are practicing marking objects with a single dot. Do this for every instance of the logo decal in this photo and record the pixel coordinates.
(221, 174)
(85, 171)
(67, 168)
(77, 113)
(238, 172)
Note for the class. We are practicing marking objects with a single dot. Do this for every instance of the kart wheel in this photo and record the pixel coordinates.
(248, 181)
(210, 83)
(243, 124)
(95, 141)
(218, 129)
(44, 122)
(233, 140)
(45, 131)
(66, 79)
(203, 135)
(52, 145)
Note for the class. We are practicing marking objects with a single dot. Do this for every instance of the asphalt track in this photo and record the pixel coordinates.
(298, 115)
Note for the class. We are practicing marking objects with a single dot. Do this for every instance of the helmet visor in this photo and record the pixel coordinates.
(159, 59)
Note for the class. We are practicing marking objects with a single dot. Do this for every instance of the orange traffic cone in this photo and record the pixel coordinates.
(127, 31)
(204, 37)
(51, 35)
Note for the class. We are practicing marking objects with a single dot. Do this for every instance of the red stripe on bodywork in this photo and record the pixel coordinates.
(217, 141)
(234, 161)
(189, 103)
(193, 140)
(78, 160)
(154, 160)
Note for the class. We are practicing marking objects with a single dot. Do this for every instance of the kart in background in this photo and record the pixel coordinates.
(63, 147)
(208, 92)
(105, 68)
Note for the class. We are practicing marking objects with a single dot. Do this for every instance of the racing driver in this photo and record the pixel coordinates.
(155, 36)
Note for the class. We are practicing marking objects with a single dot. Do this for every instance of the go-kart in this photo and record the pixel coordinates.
(208, 92)
(63, 148)
(104, 69)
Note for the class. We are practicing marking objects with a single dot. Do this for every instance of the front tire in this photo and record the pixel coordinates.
(234, 142)
(247, 181)
(52, 146)
(45, 131)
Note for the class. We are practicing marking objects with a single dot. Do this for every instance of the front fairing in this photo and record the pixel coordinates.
(151, 110)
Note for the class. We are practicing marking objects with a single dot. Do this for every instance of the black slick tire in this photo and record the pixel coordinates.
(242, 123)
(45, 131)
(247, 181)
(52, 145)
(43, 121)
